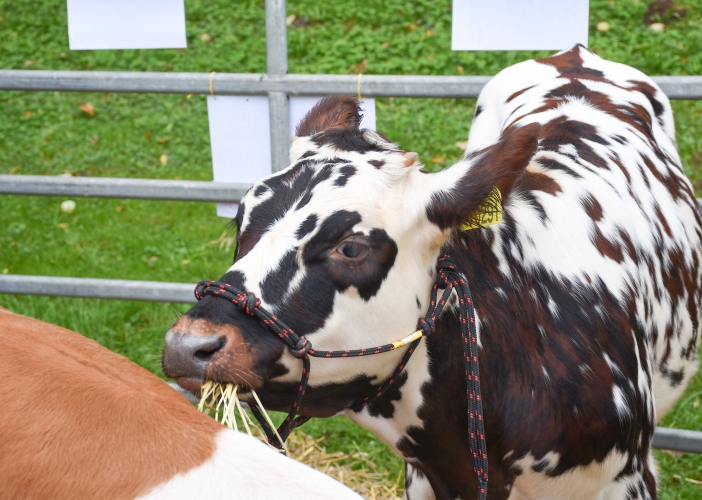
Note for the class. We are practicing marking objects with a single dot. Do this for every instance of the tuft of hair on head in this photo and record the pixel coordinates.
(335, 112)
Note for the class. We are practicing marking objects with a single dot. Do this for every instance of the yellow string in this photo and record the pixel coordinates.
(408, 339)
(360, 97)
(211, 88)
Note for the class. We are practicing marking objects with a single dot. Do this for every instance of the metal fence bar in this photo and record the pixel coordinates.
(677, 440)
(148, 189)
(277, 66)
(675, 87)
(97, 288)
(107, 187)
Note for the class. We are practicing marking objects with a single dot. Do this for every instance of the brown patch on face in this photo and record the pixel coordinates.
(341, 111)
(228, 358)
(79, 421)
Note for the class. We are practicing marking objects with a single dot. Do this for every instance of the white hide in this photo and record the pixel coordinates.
(243, 467)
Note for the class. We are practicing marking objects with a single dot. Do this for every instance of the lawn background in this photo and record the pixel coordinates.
(47, 133)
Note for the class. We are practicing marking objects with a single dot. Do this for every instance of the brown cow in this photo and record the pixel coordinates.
(78, 421)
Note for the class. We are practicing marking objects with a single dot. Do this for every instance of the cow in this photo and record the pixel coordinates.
(587, 294)
(81, 422)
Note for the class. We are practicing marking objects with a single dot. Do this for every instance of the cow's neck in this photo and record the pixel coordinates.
(430, 417)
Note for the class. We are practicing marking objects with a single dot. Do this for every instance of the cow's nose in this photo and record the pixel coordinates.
(187, 355)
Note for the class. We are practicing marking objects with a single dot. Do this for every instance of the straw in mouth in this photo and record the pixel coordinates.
(220, 400)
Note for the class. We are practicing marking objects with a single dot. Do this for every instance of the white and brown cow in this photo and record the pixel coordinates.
(587, 294)
(78, 421)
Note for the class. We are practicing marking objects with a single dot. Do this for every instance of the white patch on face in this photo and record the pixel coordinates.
(252, 201)
(242, 467)
(585, 482)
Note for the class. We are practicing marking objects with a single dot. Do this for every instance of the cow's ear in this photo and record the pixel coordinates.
(335, 112)
(459, 191)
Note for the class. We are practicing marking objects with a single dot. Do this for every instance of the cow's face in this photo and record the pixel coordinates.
(342, 247)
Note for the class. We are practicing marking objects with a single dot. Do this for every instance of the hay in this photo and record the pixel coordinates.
(356, 470)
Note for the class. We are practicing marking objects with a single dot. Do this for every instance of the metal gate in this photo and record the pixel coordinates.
(277, 84)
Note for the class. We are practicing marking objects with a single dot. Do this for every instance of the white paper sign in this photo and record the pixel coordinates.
(240, 137)
(519, 24)
(126, 24)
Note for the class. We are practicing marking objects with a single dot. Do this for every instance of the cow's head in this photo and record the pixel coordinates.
(342, 247)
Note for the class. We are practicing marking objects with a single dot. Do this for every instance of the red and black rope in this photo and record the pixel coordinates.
(448, 279)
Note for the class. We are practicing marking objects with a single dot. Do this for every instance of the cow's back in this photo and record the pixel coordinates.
(605, 203)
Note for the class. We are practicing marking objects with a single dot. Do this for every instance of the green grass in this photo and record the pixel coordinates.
(46, 133)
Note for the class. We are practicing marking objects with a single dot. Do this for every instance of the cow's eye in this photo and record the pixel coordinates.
(351, 249)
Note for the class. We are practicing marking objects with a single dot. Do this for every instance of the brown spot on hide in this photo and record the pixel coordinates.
(592, 207)
(649, 91)
(518, 93)
(606, 247)
(561, 131)
(570, 64)
(533, 180)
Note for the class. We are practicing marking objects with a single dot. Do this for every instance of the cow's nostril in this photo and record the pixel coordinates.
(188, 355)
(205, 352)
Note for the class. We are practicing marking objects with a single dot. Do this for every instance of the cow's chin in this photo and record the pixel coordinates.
(191, 385)
(194, 385)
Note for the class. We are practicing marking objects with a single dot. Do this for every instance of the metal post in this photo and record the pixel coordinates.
(277, 65)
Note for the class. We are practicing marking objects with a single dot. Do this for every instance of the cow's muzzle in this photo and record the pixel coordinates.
(198, 350)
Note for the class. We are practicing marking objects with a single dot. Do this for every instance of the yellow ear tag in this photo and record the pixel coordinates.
(489, 213)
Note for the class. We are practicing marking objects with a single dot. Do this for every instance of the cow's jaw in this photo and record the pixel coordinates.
(397, 410)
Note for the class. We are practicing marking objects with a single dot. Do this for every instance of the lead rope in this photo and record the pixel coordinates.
(448, 278)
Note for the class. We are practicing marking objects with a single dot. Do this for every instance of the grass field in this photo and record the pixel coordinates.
(47, 133)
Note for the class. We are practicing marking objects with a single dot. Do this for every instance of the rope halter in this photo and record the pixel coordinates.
(448, 278)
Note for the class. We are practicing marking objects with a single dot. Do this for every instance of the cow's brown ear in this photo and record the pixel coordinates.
(464, 187)
(339, 111)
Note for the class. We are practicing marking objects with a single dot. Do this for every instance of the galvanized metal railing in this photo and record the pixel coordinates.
(277, 85)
